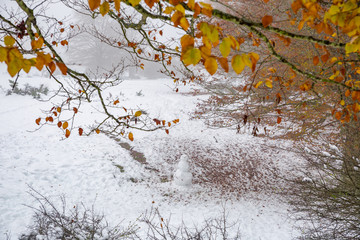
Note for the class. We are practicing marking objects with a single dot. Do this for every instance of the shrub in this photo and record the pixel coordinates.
(80, 222)
(77, 222)
(326, 196)
(36, 92)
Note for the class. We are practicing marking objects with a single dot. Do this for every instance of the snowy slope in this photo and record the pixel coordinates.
(83, 168)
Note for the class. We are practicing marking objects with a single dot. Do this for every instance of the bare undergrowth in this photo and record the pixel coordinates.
(60, 221)
(233, 168)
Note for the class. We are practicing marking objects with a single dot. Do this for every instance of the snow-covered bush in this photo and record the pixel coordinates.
(36, 92)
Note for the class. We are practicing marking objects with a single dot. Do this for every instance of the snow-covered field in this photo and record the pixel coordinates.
(83, 169)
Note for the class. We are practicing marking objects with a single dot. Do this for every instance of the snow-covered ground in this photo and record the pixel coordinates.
(83, 169)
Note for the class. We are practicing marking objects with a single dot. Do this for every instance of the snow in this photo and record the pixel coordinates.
(86, 169)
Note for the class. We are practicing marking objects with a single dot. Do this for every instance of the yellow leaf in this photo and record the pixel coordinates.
(9, 41)
(211, 65)
(268, 83)
(237, 64)
(334, 75)
(342, 102)
(225, 47)
(214, 36)
(27, 65)
(191, 56)
(246, 60)
(3, 54)
(14, 67)
(117, 5)
(169, 10)
(184, 23)
(134, 2)
(258, 84)
(210, 32)
(94, 4)
(138, 113)
(180, 8)
(273, 70)
(97, 131)
(104, 8)
(131, 136)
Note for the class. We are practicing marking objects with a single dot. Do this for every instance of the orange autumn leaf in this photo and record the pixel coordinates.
(81, 131)
(65, 125)
(206, 9)
(325, 57)
(151, 3)
(37, 44)
(52, 67)
(94, 4)
(267, 20)
(131, 136)
(211, 65)
(37, 121)
(316, 60)
(224, 64)
(67, 133)
(64, 42)
(117, 7)
(62, 67)
(186, 41)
